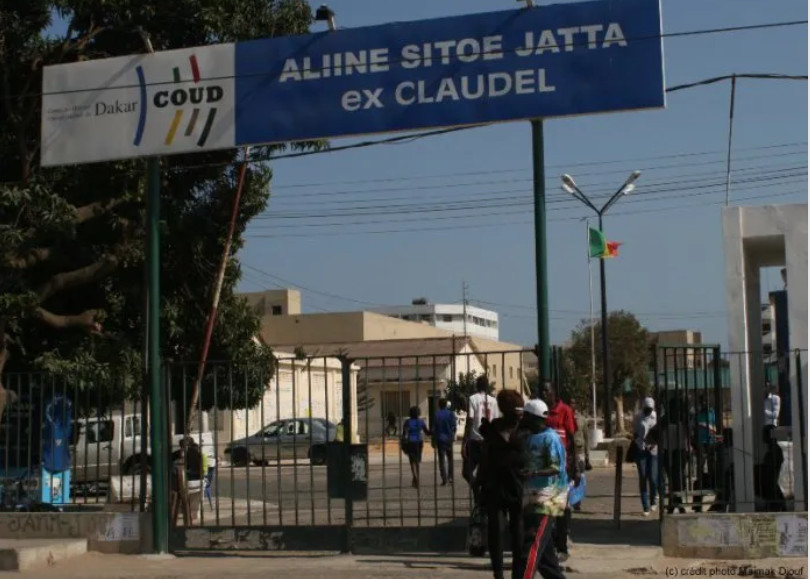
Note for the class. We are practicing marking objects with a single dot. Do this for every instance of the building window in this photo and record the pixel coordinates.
(512, 369)
(276, 310)
(396, 402)
(495, 368)
(447, 318)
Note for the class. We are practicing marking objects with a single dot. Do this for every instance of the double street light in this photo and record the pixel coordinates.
(570, 186)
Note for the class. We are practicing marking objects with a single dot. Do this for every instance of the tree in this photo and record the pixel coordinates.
(458, 392)
(629, 351)
(72, 238)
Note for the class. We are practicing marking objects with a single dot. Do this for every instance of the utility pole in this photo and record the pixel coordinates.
(540, 263)
(570, 186)
(593, 329)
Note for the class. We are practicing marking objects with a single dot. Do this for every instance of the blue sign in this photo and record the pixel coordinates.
(548, 61)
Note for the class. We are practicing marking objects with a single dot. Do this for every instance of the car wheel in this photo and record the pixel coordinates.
(239, 457)
(317, 455)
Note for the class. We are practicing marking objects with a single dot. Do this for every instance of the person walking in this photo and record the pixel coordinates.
(481, 407)
(646, 456)
(412, 431)
(773, 404)
(582, 454)
(445, 425)
(500, 480)
(545, 492)
(561, 419)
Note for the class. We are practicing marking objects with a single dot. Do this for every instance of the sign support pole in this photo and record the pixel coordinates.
(159, 462)
(541, 270)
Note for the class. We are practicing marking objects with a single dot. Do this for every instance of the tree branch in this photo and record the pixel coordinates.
(28, 258)
(77, 277)
(86, 319)
(93, 210)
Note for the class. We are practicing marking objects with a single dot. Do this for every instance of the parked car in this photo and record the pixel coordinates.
(284, 439)
(106, 447)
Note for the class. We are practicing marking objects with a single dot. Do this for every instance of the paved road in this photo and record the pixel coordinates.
(297, 495)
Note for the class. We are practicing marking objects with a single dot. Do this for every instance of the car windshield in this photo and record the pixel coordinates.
(273, 429)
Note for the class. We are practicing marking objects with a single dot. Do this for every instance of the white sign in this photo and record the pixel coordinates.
(792, 531)
(176, 101)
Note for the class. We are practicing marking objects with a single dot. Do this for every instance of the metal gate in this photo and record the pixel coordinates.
(314, 462)
(694, 427)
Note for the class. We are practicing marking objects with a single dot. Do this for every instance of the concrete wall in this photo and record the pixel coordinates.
(128, 533)
(732, 536)
(341, 327)
(757, 237)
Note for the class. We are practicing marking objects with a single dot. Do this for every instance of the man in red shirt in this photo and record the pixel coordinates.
(561, 418)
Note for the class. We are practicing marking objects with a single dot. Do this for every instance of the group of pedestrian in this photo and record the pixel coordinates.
(518, 457)
(521, 479)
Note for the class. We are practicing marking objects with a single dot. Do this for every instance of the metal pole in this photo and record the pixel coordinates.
(593, 329)
(543, 355)
(605, 364)
(160, 506)
(730, 133)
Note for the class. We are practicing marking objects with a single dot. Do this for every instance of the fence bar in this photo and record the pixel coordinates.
(295, 438)
(346, 374)
(311, 433)
(385, 432)
(399, 388)
(215, 474)
(278, 446)
(233, 449)
(802, 428)
(328, 442)
(437, 448)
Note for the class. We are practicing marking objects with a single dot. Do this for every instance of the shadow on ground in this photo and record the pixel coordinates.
(637, 533)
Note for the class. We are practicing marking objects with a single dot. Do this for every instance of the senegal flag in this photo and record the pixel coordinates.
(600, 247)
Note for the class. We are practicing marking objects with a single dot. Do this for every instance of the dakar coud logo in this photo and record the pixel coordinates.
(196, 99)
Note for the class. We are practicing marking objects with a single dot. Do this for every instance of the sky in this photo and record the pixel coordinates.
(670, 269)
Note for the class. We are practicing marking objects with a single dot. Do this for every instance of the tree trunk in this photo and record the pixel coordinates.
(619, 402)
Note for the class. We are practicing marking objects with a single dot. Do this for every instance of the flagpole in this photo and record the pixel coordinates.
(593, 334)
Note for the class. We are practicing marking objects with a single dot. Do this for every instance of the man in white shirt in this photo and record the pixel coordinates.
(482, 408)
(772, 404)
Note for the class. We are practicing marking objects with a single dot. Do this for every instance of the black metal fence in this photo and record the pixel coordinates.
(71, 441)
(700, 463)
(315, 443)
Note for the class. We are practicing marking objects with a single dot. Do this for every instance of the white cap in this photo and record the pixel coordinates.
(649, 403)
(536, 408)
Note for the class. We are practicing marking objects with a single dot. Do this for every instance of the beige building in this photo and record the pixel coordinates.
(678, 357)
(394, 375)
(298, 389)
(400, 363)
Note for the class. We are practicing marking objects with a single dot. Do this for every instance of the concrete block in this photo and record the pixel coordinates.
(28, 554)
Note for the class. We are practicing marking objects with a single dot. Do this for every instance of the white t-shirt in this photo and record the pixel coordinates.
(772, 404)
(480, 406)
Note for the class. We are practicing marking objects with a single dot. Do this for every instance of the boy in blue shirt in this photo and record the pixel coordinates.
(545, 492)
(444, 433)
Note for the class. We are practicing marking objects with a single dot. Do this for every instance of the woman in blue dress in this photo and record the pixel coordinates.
(412, 442)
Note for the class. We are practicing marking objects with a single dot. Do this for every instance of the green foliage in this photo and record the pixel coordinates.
(72, 291)
(628, 345)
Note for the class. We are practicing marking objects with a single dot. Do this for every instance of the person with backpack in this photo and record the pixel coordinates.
(481, 408)
(412, 442)
(545, 493)
(499, 480)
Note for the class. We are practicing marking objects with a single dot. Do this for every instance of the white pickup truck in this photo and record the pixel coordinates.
(106, 447)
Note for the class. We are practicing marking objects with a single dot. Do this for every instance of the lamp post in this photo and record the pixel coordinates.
(570, 186)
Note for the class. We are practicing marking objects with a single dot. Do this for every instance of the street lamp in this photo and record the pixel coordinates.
(570, 186)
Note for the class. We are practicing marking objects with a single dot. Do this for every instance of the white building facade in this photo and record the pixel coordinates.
(480, 322)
